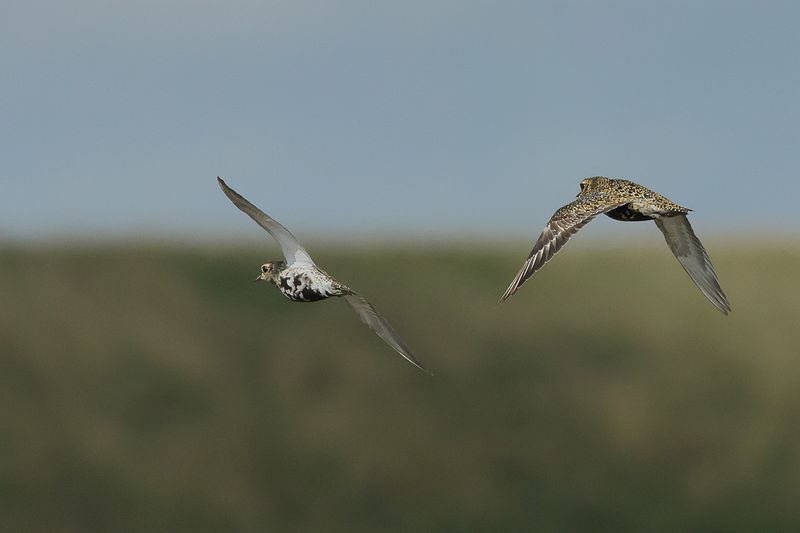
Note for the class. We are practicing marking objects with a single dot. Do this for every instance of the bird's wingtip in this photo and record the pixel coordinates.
(721, 304)
(225, 187)
(509, 293)
(419, 365)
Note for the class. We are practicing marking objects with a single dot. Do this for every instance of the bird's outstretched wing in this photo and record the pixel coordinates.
(564, 224)
(693, 257)
(379, 325)
(292, 250)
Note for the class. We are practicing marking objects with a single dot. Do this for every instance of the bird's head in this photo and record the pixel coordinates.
(590, 185)
(269, 270)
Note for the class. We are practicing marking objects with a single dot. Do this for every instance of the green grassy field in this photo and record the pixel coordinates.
(159, 389)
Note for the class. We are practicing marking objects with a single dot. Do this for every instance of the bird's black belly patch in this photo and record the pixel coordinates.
(626, 214)
(298, 288)
(285, 287)
(310, 295)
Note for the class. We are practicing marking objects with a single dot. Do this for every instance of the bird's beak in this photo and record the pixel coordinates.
(257, 279)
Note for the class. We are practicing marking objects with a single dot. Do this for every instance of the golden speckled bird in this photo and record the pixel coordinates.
(626, 201)
(299, 279)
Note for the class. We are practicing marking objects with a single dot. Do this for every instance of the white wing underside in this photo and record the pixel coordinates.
(291, 248)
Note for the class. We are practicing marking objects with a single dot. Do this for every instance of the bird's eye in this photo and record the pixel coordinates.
(263, 268)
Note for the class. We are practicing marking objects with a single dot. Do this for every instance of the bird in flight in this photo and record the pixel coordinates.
(301, 280)
(626, 201)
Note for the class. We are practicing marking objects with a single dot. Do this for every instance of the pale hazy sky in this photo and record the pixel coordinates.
(416, 118)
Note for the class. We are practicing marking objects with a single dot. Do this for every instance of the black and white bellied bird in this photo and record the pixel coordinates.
(301, 280)
(626, 201)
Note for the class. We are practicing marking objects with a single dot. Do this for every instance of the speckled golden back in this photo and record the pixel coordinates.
(642, 203)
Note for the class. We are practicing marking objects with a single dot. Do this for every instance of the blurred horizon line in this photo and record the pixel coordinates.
(600, 237)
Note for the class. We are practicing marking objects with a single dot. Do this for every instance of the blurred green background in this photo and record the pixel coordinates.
(156, 388)
(150, 386)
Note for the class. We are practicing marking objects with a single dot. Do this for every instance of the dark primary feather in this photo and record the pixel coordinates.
(379, 325)
(693, 257)
(564, 224)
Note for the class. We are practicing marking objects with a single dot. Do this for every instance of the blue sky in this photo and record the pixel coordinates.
(411, 119)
